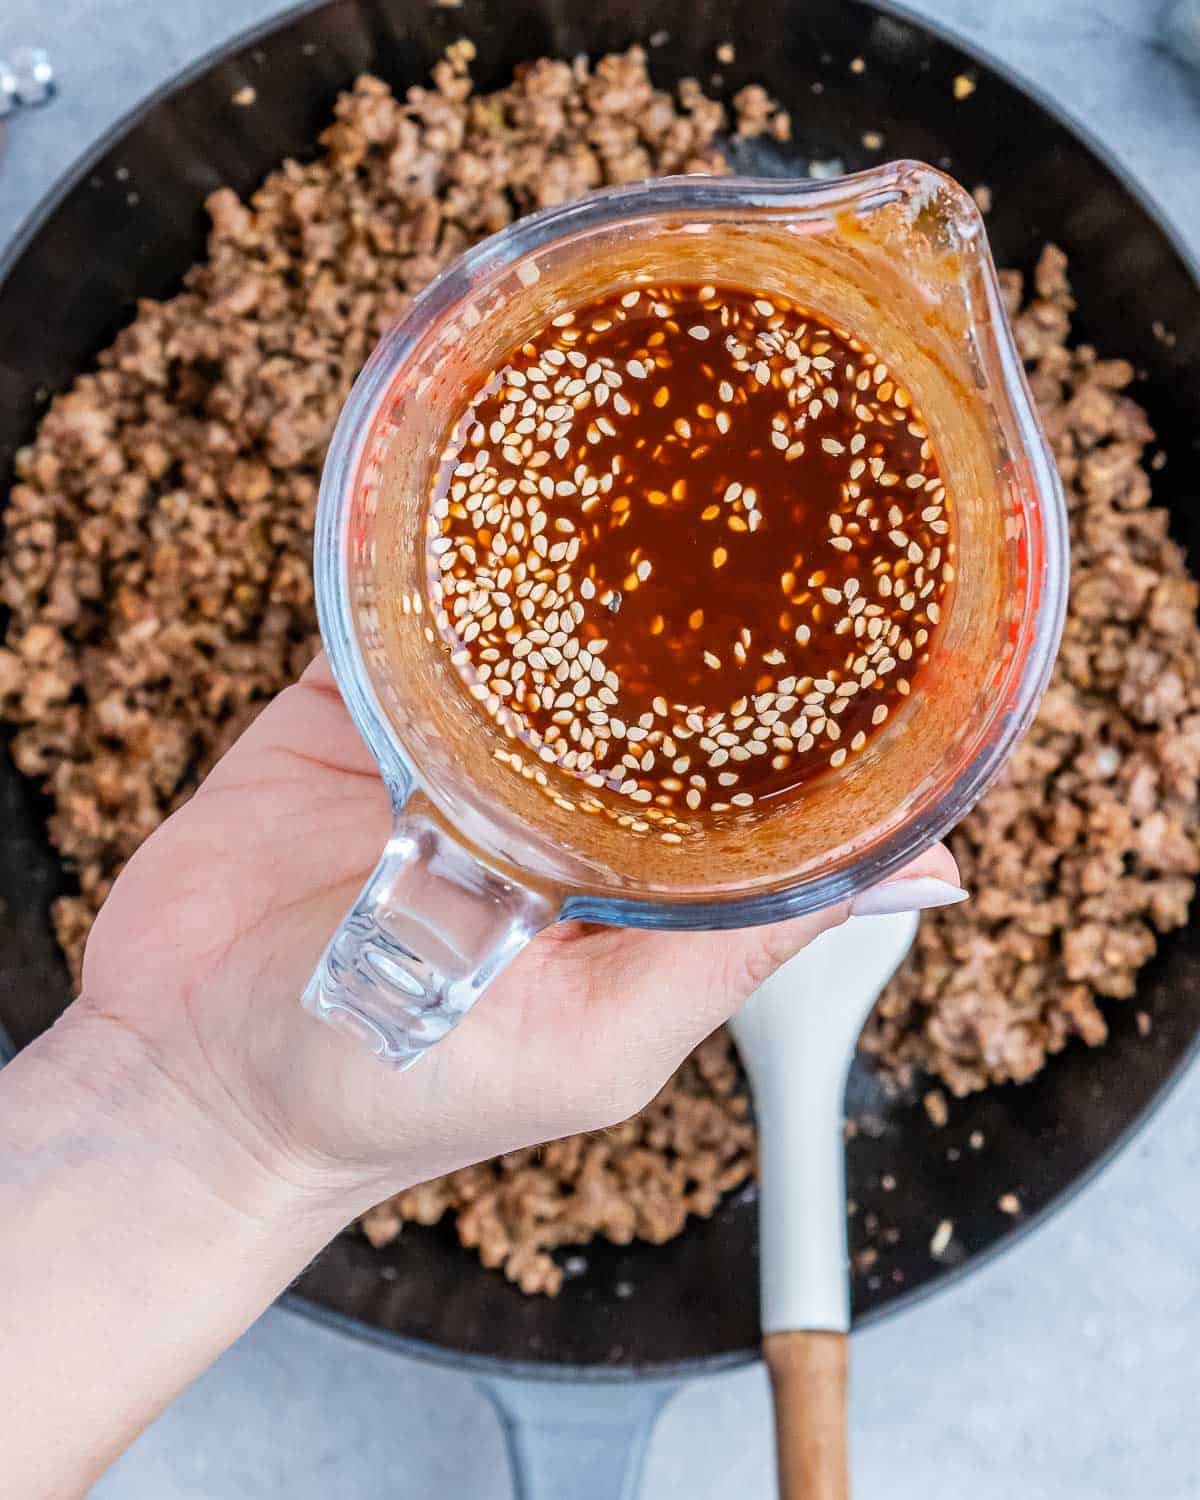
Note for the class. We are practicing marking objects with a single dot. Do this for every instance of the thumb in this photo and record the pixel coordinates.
(709, 975)
(930, 880)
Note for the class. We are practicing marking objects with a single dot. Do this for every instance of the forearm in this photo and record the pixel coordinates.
(138, 1239)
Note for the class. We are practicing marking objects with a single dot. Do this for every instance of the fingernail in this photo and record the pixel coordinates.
(917, 894)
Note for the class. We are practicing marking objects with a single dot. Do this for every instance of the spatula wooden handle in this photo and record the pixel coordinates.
(808, 1380)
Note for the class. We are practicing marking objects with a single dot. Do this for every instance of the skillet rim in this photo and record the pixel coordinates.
(485, 1365)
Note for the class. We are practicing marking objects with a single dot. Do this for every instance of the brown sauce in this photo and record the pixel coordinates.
(690, 544)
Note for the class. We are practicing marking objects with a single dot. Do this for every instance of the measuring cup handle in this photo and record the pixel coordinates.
(429, 932)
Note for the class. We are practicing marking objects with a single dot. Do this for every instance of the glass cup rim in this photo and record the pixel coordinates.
(1043, 607)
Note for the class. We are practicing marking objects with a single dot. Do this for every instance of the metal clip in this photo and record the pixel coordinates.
(26, 80)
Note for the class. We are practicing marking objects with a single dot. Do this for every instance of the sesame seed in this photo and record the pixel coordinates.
(517, 561)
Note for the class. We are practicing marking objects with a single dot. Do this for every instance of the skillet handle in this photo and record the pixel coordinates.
(808, 1369)
(577, 1440)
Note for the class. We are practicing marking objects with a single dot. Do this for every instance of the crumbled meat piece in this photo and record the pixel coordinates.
(1089, 845)
(381, 1225)
(758, 114)
(936, 1107)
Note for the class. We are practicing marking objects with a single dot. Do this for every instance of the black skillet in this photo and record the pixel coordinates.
(691, 1305)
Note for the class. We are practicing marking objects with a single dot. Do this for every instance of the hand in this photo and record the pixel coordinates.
(188, 1137)
(213, 929)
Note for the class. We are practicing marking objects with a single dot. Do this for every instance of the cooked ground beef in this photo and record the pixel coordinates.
(1089, 845)
(157, 570)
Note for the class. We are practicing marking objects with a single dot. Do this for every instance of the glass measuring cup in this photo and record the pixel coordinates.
(480, 858)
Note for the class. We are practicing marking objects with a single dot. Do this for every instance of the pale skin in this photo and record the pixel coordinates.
(176, 1149)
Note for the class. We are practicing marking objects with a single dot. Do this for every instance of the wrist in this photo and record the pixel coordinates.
(166, 1231)
(114, 1095)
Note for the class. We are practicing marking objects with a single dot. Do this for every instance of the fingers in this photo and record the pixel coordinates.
(927, 881)
(693, 982)
(319, 674)
(930, 880)
(307, 722)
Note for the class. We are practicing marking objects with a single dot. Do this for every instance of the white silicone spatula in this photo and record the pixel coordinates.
(797, 1036)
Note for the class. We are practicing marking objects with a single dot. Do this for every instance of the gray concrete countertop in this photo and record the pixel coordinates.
(1063, 1371)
